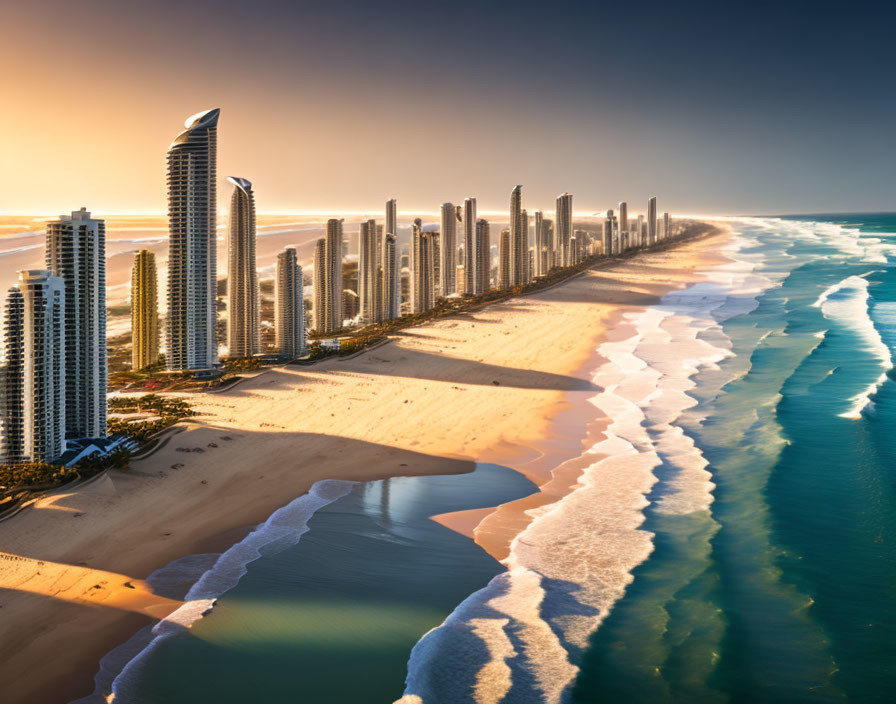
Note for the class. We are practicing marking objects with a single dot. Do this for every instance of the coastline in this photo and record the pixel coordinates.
(425, 404)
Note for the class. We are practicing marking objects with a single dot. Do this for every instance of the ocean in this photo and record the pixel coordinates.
(732, 540)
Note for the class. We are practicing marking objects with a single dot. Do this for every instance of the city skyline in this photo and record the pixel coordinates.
(724, 139)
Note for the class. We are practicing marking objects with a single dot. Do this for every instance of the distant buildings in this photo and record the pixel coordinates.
(667, 225)
(192, 211)
(448, 263)
(391, 227)
(651, 221)
(389, 278)
(542, 253)
(33, 387)
(76, 253)
(289, 305)
(244, 325)
(144, 311)
(328, 299)
(519, 246)
(563, 228)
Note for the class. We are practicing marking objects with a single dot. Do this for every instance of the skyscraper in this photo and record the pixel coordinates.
(289, 305)
(524, 247)
(76, 253)
(623, 217)
(483, 256)
(33, 386)
(368, 261)
(541, 260)
(448, 254)
(651, 221)
(244, 326)
(328, 304)
(667, 225)
(563, 228)
(390, 280)
(422, 267)
(144, 311)
(470, 267)
(392, 217)
(504, 248)
(517, 248)
(192, 252)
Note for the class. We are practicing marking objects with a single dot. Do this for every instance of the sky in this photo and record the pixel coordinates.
(720, 107)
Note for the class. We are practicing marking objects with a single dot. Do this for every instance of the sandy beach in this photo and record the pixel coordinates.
(501, 384)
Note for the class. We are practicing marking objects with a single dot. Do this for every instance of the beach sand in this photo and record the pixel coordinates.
(507, 384)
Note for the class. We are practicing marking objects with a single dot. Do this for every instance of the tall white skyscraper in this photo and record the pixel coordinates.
(563, 228)
(470, 265)
(192, 250)
(518, 249)
(368, 262)
(244, 325)
(448, 254)
(33, 382)
(289, 305)
(651, 220)
(390, 280)
(623, 217)
(328, 304)
(76, 253)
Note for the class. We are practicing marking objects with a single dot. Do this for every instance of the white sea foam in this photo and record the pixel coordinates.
(282, 529)
(846, 302)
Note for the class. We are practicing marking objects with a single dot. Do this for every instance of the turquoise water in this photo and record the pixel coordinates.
(772, 576)
(785, 591)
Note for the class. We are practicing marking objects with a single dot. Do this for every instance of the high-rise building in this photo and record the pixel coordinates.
(667, 225)
(33, 380)
(392, 217)
(368, 262)
(470, 265)
(448, 253)
(639, 231)
(192, 250)
(289, 305)
(517, 245)
(390, 280)
(623, 217)
(422, 267)
(563, 228)
(527, 269)
(144, 311)
(541, 259)
(76, 253)
(483, 256)
(328, 303)
(243, 323)
(651, 221)
(504, 248)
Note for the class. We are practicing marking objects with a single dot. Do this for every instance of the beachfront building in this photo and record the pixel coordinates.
(328, 303)
(389, 280)
(470, 286)
(289, 305)
(540, 252)
(483, 257)
(391, 217)
(623, 217)
(504, 259)
(651, 221)
(33, 379)
(243, 323)
(144, 311)
(518, 246)
(563, 228)
(448, 254)
(192, 251)
(524, 254)
(667, 225)
(76, 253)
(368, 263)
(422, 265)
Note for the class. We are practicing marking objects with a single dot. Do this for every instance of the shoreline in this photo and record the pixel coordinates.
(438, 366)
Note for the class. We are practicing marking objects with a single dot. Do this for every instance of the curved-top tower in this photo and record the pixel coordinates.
(192, 208)
(244, 327)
